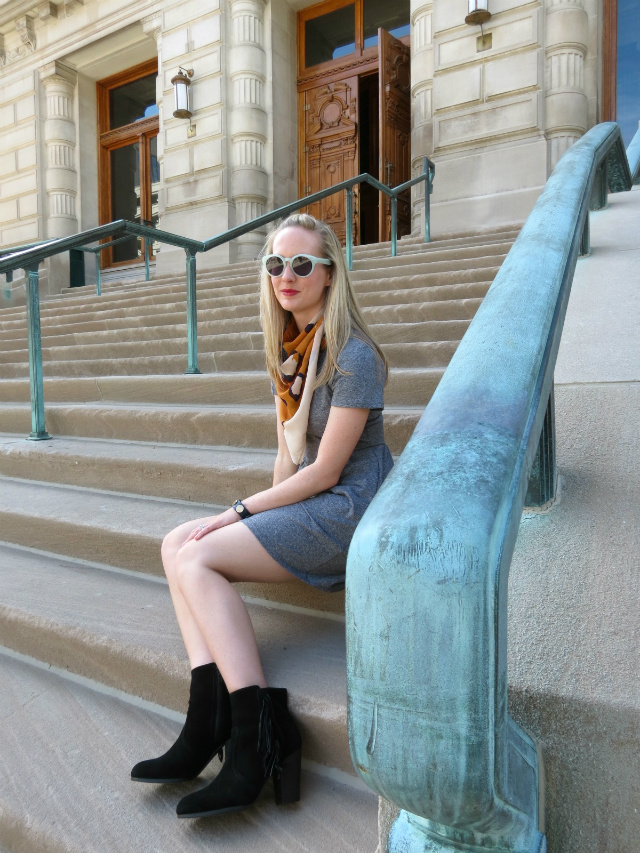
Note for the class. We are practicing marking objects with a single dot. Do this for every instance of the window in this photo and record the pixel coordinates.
(129, 174)
(338, 29)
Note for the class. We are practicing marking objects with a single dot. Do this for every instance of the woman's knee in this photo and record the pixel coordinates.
(169, 550)
(190, 570)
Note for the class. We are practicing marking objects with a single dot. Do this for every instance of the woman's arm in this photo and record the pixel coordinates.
(284, 466)
(343, 430)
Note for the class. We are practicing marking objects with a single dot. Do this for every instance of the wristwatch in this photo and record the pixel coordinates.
(241, 509)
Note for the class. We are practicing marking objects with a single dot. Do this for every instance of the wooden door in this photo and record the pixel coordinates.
(330, 147)
(395, 129)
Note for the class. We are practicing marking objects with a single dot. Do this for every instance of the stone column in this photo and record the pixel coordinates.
(248, 119)
(61, 176)
(152, 26)
(421, 101)
(61, 179)
(566, 27)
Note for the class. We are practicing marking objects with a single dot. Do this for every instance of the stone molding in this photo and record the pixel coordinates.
(59, 81)
(152, 26)
(25, 26)
(566, 29)
(421, 100)
(248, 89)
(248, 118)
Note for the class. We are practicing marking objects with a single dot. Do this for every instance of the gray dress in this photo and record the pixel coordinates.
(311, 538)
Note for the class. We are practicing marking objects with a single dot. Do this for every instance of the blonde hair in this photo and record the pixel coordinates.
(342, 316)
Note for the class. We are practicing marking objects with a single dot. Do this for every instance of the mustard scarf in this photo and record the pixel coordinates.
(299, 366)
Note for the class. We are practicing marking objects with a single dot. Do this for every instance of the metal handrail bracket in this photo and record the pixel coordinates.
(426, 600)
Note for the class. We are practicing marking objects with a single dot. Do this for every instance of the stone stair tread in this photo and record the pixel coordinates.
(212, 388)
(184, 472)
(221, 425)
(70, 804)
(144, 518)
(121, 530)
(121, 631)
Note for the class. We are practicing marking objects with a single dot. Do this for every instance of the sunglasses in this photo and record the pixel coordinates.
(301, 265)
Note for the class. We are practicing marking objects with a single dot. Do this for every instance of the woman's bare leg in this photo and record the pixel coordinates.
(194, 643)
(219, 623)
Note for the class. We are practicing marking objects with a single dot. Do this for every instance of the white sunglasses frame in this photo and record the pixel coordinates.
(289, 261)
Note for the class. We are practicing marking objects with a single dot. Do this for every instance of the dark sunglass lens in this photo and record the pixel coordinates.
(301, 265)
(274, 265)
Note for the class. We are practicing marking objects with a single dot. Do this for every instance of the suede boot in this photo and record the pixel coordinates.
(264, 742)
(206, 730)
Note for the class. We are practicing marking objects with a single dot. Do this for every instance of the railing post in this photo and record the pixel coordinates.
(38, 431)
(394, 226)
(585, 240)
(146, 259)
(427, 201)
(542, 480)
(349, 246)
(98, 278)
(598, 199)
(192, 313)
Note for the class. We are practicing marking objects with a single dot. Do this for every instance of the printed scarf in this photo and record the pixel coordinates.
(300, 361)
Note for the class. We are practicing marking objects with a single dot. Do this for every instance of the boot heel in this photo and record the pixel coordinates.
(286, 783)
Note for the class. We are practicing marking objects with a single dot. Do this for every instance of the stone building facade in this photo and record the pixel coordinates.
(494, 108)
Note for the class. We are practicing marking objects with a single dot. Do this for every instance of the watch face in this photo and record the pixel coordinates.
(239, 509)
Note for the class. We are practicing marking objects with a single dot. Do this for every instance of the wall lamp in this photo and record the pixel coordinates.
(181, 83)
(478, 12)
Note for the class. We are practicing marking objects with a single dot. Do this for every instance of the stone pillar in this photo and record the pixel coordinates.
(421, 101)
(566, 30)
(61, 179)
(152, 26)
(248, 119)
(61, 176)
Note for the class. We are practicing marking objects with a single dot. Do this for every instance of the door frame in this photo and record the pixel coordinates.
(609, 60)
(141, 131)
(362, 62)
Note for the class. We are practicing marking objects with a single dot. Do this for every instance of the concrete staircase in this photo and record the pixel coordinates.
(93, 668)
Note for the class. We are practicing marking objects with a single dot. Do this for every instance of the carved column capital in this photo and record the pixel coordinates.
(152, 26)
(58, 73)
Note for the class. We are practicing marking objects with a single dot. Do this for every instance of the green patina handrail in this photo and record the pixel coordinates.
(426, 597)
(29, 257)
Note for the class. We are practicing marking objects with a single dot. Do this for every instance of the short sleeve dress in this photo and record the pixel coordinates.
(311, 538)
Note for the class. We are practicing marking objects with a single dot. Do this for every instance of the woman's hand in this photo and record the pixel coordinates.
(208, 525)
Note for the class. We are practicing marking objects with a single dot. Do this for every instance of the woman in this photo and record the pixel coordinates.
(327, 377)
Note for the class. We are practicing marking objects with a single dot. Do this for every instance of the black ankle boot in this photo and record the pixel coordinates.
(264, 742)
(206, 730)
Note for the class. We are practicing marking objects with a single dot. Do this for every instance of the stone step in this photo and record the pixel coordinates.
(121, 630)
(172, 343)
(223, 292)
(213, 303)
(248, 426)
(405, 386)
(450, 302)
(212, 336)
(81, 797)
(203, 474)
(424, 354)
(124, 531)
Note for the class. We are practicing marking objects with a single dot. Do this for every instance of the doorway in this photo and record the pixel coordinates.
(354, 112)
(128, 169)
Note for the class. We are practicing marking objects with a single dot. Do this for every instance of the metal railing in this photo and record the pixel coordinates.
(94, 250)
(426, 605)
(30, 257)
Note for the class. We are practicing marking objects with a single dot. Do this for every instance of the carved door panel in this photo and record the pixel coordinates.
(395, 129)
(330, 148)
